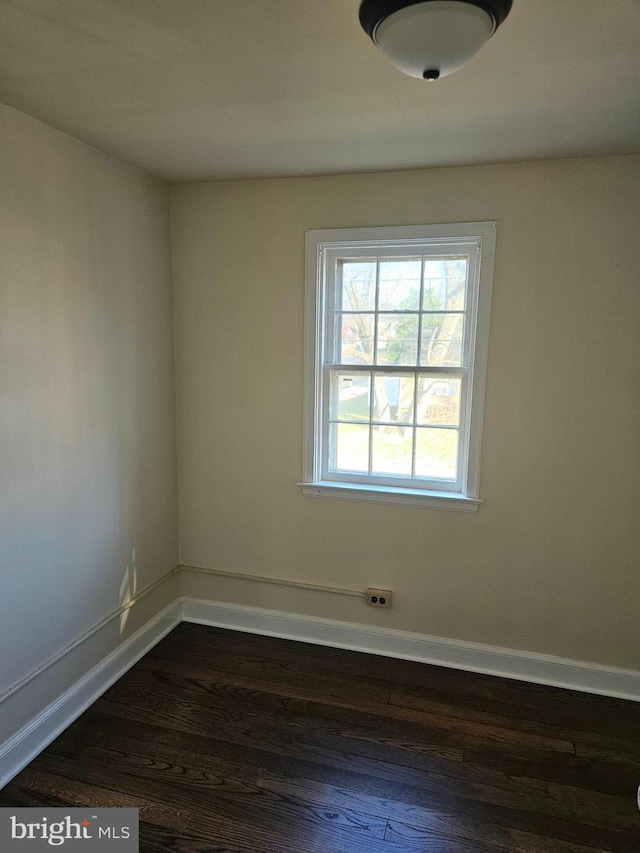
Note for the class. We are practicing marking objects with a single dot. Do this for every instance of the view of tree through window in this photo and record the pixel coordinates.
(393, 313)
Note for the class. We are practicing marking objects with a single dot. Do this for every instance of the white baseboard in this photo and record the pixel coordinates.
(39, 732)
(491, 660)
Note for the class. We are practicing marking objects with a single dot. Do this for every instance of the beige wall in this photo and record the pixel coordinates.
(550, 562)
(87, 449)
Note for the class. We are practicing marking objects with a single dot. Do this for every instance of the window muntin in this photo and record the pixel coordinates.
(395, 349)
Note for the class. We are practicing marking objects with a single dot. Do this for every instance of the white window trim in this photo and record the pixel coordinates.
(317, 243)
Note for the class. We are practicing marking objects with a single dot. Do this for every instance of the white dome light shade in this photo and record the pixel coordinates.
(434, 38)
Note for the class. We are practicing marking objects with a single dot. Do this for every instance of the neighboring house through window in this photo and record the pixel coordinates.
(397, 324)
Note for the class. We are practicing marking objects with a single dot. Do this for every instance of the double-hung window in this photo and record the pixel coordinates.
(397, 332)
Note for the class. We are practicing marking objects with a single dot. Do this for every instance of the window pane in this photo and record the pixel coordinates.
(350, 396)
(444, 284)
(400, 284)
(350, 444)
(442, 340)
(392, 447)
(359, 285)
(356, 337)
(397, 339)
(393, 400)
(436, 453)
(438, 400)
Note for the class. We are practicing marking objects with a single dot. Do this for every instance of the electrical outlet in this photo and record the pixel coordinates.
(379, 597)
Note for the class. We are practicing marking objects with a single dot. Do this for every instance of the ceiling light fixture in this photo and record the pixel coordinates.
(431, 38)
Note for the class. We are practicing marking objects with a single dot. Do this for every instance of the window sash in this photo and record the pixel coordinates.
(332, 256)
(333, 474)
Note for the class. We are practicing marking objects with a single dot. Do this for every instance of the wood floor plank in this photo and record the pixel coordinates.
(184, 715)
(607, 777)
(618, 714)
(77, 794)
(555, 721)
(237, 743)
(455, 730)
(283, 685)
(215, 691)
(412, 839)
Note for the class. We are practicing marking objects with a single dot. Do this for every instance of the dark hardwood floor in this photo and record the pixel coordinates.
(234, 742)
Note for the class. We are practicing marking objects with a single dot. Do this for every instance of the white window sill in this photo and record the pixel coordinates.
(389, 495)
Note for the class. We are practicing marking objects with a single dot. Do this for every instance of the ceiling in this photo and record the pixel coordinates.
(193, 90)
